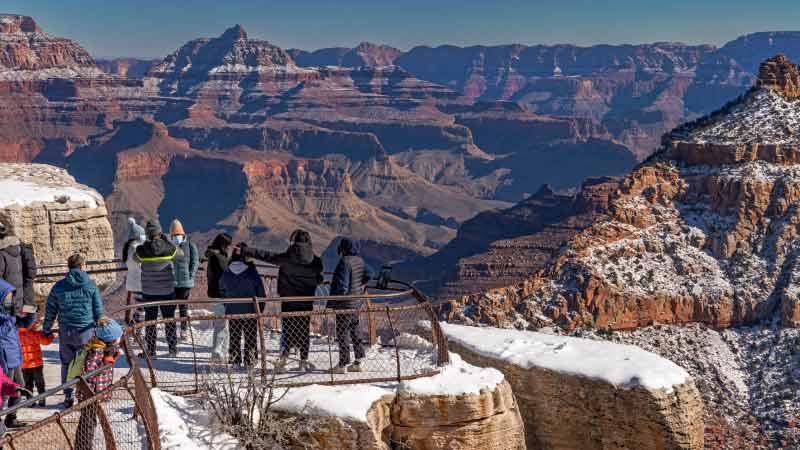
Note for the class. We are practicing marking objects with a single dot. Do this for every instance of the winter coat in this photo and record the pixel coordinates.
(350, 276)
(93, 356)
(217, 264)
(10, 351)
(31, 342)
(75, 301)
(133, 278)
(299, 274)
(241, 280)
(8, 388)
(157, 257)
(18, 267)
(186, 263)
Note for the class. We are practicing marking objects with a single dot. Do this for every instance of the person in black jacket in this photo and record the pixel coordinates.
(350, 278)
(299, 274)
(217, 256)
(17, 267)
(242, 280)
(156, 256)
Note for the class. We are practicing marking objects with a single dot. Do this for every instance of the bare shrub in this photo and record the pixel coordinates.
(243, 406)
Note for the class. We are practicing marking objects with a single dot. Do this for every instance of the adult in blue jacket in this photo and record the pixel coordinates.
(241, 280)
(350, 278)
(76, 302)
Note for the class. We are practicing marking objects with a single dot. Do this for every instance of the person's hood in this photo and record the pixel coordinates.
(11, 245)
(5, 288)
(238, 267)
(348, 247)
(156, 248)
(301, 253)
(77, 278)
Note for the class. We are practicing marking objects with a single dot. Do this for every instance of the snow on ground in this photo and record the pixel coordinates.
(185, 425)
(23, 184)
(625, 366)
(55, 72)
(458, 378)
(351, 401)
(765, 117)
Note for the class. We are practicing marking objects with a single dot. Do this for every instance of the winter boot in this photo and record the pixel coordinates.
(280, 366)
(339, 370)
(306, 366)
(355, 367)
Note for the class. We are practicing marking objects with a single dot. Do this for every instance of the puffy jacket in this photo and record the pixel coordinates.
(299, 274)
(157, 257)
(75, 301)
(186, 263)
(18, 267)
(94, 356)
(133, 278)
(10, 352)
(217, 263)
(31, 342)
(350, 276)
(241, 280)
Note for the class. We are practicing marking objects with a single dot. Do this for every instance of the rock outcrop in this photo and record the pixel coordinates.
(568, 404)
(45, 207)
(781, 75)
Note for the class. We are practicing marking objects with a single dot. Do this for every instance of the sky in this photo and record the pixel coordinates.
(154, 28)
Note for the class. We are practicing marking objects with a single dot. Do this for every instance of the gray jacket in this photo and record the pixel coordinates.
(158, 275)
(186, 263)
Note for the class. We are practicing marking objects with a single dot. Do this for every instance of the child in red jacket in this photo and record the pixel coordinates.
(31, 340)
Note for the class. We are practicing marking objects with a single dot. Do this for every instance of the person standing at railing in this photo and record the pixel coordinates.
(187, 261)
(350, 278)
(76, 302)
(18, 268)
(133, 276)
(157, 256)
(299, 274)
(242, 280)
(10, 350)
(101, 350)
(217, 255)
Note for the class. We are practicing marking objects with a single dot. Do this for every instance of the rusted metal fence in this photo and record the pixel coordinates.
(316, 343)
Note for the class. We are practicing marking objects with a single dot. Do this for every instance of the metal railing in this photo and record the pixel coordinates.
(386, 326)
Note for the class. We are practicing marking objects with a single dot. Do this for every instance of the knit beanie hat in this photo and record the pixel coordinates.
(153, 230)
(176, 228)
(136, 230)
(108, 331)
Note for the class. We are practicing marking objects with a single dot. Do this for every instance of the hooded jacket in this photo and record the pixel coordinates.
(18, 268)
(217, 263)
(75, 301)
(31, 342)
(350, 276)
(299, 274)
(157, 257)
(241, 280)
(10, 351)
(186, 263)
(133, 277)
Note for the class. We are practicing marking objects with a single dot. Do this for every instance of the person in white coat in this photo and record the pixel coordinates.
(133, 278)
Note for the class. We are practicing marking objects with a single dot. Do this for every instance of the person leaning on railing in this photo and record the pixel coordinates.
(350, 277)
(158, 285)
(186, 263)
(76, 302)
(217, 255)
(299, 274)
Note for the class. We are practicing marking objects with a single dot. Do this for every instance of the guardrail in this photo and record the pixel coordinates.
(387, 323)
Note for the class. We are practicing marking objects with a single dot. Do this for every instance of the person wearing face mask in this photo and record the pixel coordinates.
(186, 263)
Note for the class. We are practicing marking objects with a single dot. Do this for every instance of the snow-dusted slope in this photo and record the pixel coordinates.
(764, 117)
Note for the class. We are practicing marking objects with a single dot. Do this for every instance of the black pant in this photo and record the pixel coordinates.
(183, 310)
(296, 334)
(346, 332)
(84, 436)
(167, 312)
(247, 328)
(34, 377)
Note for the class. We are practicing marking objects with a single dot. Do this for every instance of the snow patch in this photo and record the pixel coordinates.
(624, 366)
(456, 379)
(346, 401)
(24, 193)
(185, 425)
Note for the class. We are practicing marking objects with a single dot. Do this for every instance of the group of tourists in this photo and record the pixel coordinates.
(88, 339)
(161, 272)
(162, 268)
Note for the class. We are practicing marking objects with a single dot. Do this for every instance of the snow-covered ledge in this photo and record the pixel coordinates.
(579, 393)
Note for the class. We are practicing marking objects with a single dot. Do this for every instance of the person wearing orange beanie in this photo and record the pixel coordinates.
(186, 264)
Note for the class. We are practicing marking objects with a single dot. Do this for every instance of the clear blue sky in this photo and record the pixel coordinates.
(155, 28)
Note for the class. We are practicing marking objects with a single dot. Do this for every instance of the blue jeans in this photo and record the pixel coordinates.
(70, 342)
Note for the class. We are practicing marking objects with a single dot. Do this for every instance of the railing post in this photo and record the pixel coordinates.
(330, 350)
(396, 348)
(372, 332)
(261, 337)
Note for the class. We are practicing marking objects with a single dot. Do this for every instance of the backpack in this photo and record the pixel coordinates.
(75, 368)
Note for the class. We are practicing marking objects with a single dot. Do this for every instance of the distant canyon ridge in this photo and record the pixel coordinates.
(396, 149)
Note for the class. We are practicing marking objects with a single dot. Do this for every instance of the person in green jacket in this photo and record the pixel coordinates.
(186, 263)
(76, 302)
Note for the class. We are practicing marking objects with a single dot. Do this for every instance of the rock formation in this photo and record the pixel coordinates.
(781, 75)
(47, 208)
